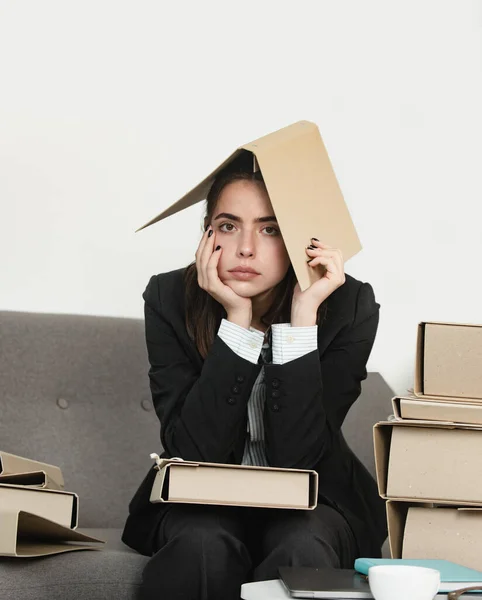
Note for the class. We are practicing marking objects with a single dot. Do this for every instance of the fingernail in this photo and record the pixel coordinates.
(210, 233)
(207, 227)
(316, 239)
(308, 261)
(218, 247)
(311, 247)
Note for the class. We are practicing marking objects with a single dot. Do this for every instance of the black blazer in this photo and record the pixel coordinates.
(202, 405)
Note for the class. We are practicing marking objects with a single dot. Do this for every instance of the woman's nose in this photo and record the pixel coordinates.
(246, 246)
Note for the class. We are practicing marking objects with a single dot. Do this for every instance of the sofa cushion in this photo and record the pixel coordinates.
(75, 393)
(111, 573)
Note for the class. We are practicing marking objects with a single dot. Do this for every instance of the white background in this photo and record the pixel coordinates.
(110, 110)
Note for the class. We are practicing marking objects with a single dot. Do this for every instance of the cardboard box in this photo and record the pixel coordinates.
(435, 532)
(428, 461)
(57, 505)
(234, 485)
(429, 409)
(298, 173)
(10, 464)
(448, 361)
(27, 535)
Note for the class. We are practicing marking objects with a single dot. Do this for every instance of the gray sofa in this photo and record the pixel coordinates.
(74, 392)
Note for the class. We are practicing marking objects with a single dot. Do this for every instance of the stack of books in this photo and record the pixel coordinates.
(428, 457)
(38, 516)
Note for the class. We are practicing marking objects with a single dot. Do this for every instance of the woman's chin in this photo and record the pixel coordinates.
(245, 289)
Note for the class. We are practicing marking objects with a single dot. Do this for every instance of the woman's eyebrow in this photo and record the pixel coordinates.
(238, 219)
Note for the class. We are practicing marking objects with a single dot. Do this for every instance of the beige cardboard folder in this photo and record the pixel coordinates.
(428, 409)
(59, 506)
(36, 479)
(10, 464)
(303, 190)
(429, 462)
(234, 485)
(448, 361)
(27, 535)
(435, 532)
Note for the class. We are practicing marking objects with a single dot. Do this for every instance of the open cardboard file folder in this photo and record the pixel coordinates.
(28, 535)
(37, 516)
(234, 485)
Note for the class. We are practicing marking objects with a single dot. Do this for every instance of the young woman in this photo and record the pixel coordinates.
(247, 369)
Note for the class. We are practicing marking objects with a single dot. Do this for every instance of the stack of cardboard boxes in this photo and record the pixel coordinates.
(429, 457)
(37, 516)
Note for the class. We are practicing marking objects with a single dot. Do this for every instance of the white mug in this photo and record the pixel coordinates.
(403, 582)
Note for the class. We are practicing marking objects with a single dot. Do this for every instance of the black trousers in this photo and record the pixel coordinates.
(207, 552)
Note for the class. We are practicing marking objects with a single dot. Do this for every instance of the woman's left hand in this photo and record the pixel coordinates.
(332, 275)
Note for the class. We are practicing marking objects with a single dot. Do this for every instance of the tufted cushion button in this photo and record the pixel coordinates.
(276, 407)
(275, 394)
(62, 403)
(240, 378)
(275, 383)
(231, 401)
(146, 404)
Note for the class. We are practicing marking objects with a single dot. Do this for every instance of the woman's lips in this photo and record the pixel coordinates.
(243, 275)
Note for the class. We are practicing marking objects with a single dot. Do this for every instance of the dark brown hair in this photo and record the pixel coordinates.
(203, 313)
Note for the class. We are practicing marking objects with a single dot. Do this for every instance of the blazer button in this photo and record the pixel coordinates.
(235, 389)
(240, 378)
(276, 407)
(231, 401)
(275, 394)
(275, 383)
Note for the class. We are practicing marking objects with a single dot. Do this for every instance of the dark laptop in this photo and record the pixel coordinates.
(302, 582)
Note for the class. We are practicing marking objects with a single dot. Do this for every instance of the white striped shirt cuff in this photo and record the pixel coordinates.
(246, 343)
(290, 343)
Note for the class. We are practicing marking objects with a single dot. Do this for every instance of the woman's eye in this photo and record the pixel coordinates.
(272, 231)
(229, 227)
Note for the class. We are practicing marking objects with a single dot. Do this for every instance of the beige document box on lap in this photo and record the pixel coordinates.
(234, 485)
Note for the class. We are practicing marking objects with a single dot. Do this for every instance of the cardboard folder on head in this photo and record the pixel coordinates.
(303, 190)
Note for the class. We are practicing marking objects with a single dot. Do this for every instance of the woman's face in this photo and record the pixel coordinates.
(246, 228)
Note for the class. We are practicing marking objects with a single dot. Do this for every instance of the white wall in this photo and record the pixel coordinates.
(110, 110)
